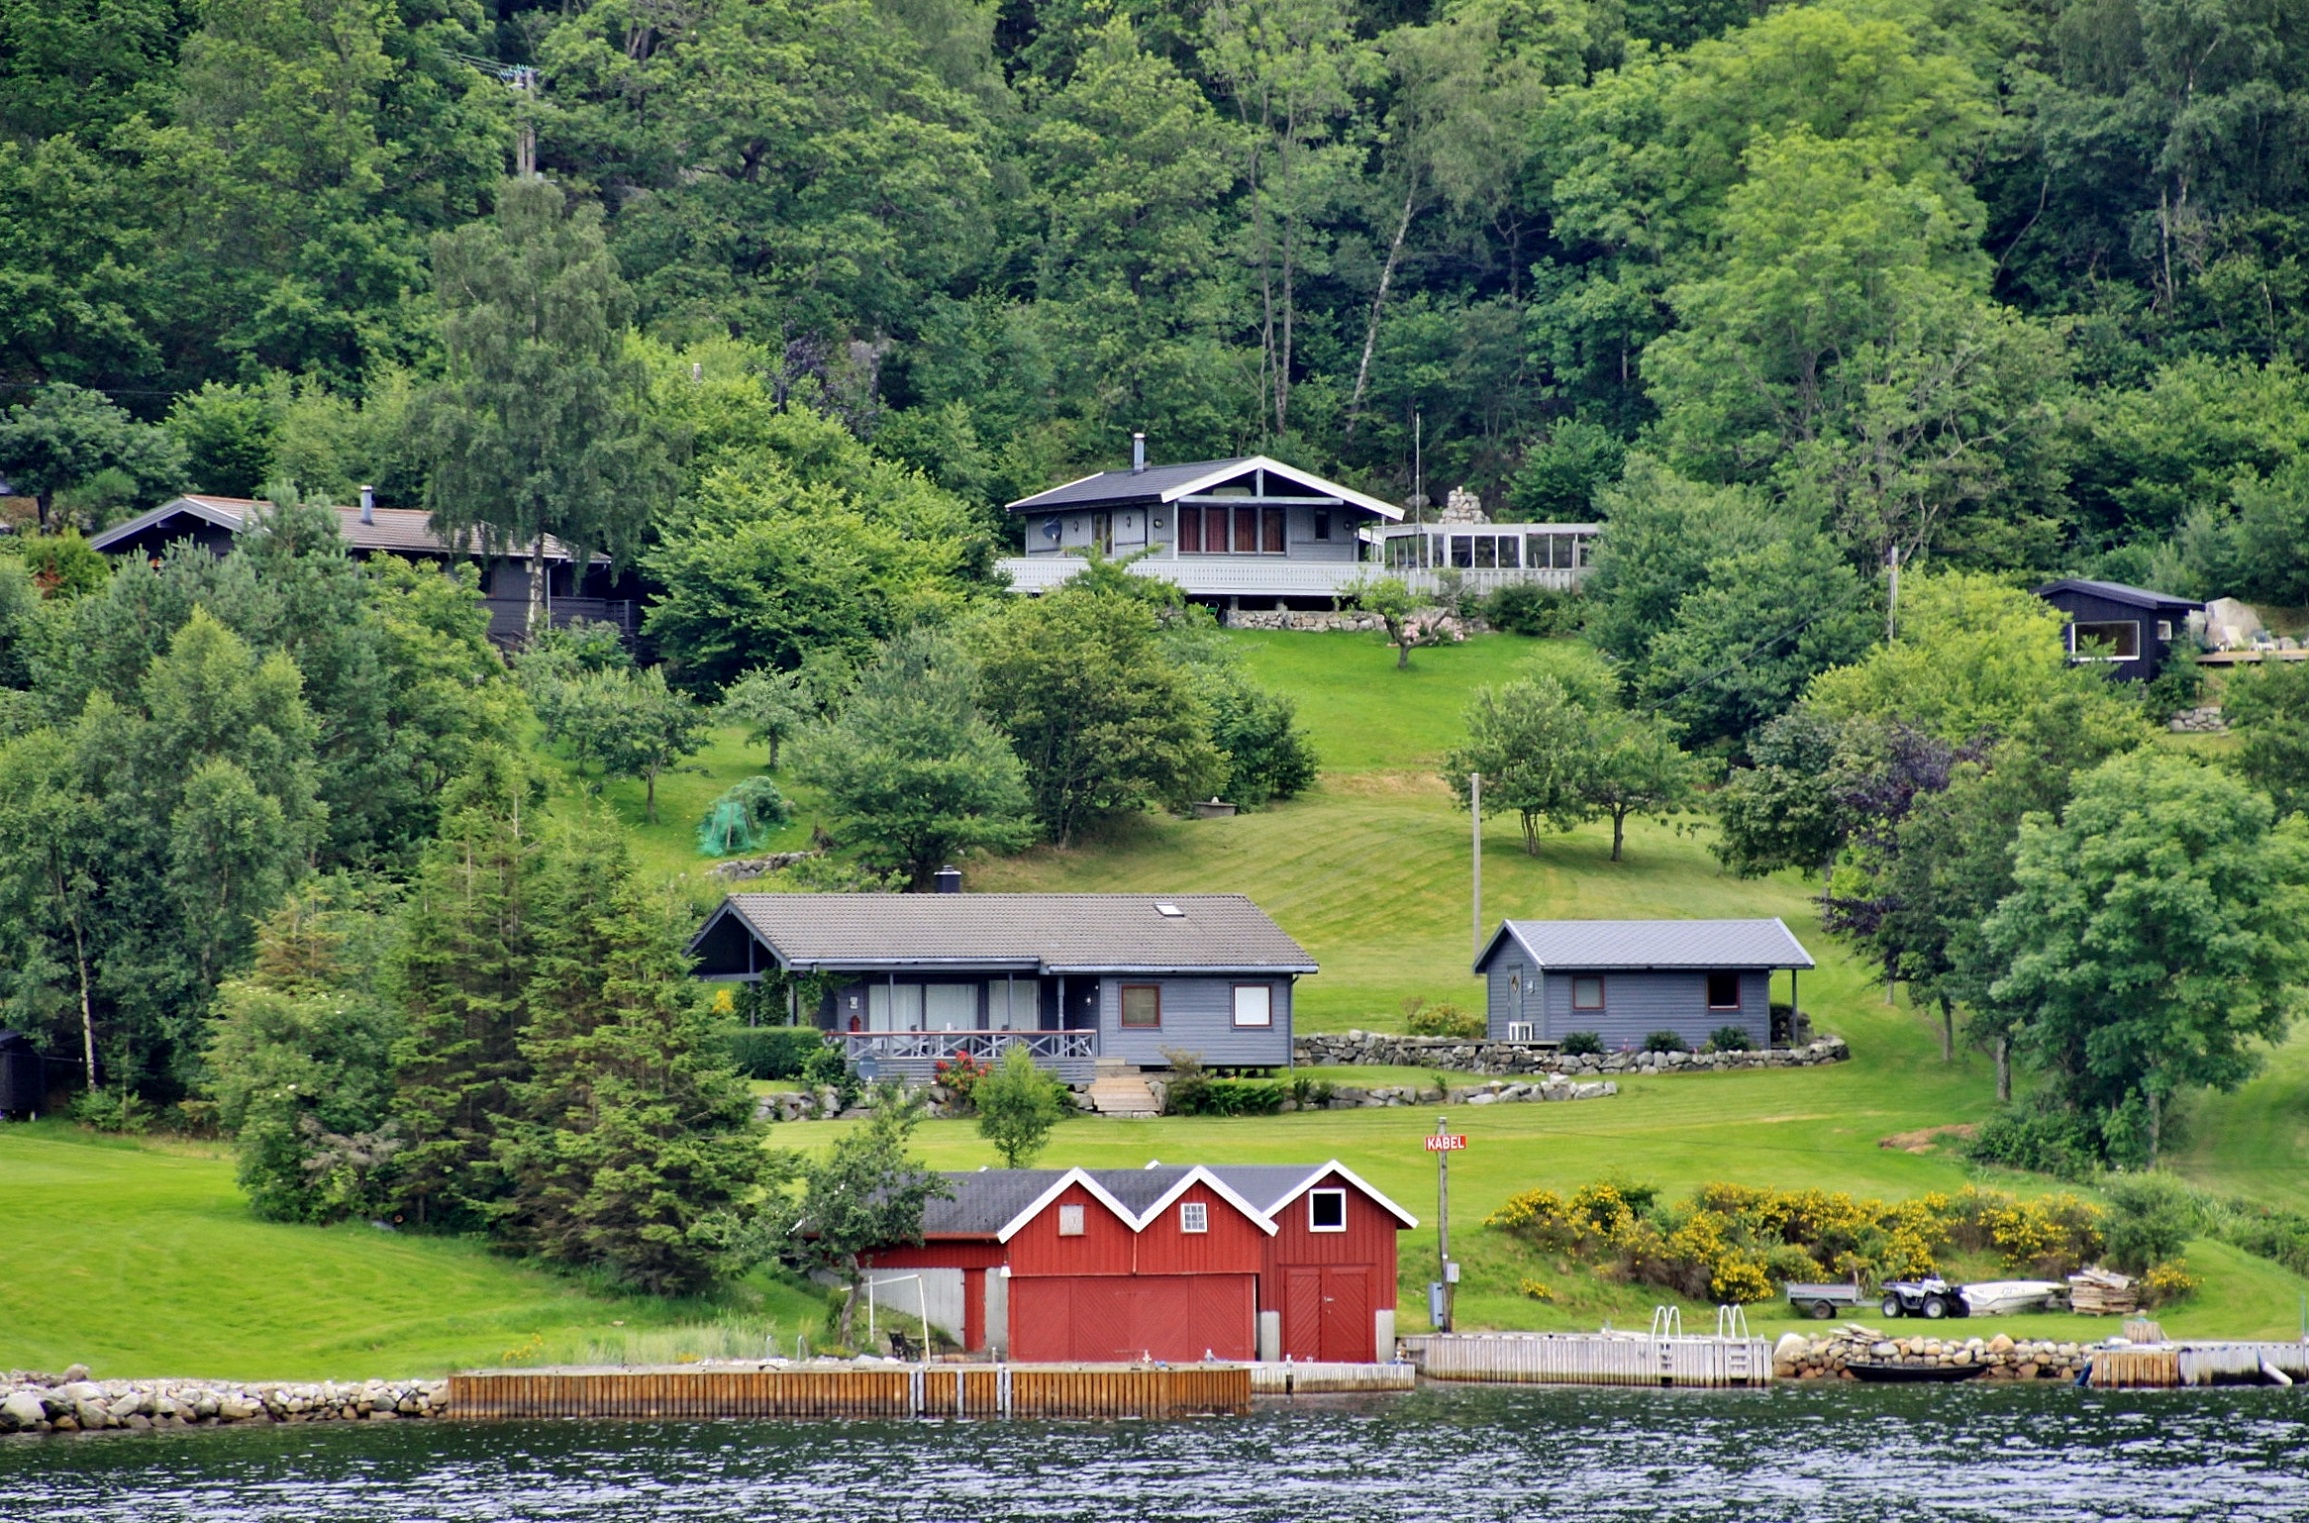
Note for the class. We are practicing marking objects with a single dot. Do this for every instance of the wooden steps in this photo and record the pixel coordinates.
(1121, 1091)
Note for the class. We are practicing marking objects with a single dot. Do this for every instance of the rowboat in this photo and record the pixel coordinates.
(1916, 1374)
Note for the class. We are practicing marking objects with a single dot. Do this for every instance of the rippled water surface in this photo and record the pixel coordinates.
(1797, 1452)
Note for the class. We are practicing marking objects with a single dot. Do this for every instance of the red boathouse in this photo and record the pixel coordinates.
(1168, 1263)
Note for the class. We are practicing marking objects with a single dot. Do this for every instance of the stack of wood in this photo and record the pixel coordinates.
(2102, 1293)
(2143, 1330)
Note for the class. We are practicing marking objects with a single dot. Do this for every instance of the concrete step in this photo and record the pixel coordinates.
(1122, 1094)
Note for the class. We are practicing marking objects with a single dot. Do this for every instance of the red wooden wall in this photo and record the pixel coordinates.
(1233, 1245)
(1327, 1284)
(1107, 1245)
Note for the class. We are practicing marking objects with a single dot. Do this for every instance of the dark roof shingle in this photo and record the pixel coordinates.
(1055, 933)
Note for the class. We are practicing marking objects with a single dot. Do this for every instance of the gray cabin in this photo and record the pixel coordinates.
(1082, 980)
(1625, 979)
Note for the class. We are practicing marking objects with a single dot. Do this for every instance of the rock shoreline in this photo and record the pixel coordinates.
(1454, 1054)
(1831, 1356)
(31, 1402)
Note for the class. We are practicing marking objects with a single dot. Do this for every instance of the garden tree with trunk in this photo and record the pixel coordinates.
(1784, 809)
(299, 1059)
(51, 867)
(468, 950)
(629, 1145)
(863, 1192)
(1632, 764)
(1106, 723)
(64, 435)
(910, 772)
(1396, 607)
(1528, 739)
(772, 706)
(539, 426)
(2148, 941)
(638, 726)
(1017, 1105)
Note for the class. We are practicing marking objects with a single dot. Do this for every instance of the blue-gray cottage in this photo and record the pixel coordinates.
(1080, 979)
(1625, 979)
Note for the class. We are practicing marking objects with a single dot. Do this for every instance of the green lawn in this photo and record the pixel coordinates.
(143, 1259)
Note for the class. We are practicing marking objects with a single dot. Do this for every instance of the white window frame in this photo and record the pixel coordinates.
(1194, 1216)
(1339, 1195)
(2074, 626)
(1265, 1016)
(1070, 1221)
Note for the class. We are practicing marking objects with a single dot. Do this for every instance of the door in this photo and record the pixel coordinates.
(1303, 1313)
(1104, 1318)
(1347, 1331)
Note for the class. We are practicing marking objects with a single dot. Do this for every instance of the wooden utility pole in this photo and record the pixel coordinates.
(1443, 1221)
(1475, 808)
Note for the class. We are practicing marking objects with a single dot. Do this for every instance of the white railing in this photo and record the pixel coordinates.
(981, 1046)
(1255, 576)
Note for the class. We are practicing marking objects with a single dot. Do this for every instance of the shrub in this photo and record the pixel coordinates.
(1521, 608)
(2280, 1236)
(111, 1110)
(1227, 1097)
(1535, 1290)
(1018, 1104)
(1310, 1093)
(1666, 1041)
(2151, 1216)
(1443, 1020)
(829, 1066)
(1184, 1091)
(960, 1074)
(773, 1052)
(2039, 1139)
(1581, 1044)
(2168, 1282)
(1730, 1039)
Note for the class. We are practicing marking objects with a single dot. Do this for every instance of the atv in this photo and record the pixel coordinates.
(1928, 1298)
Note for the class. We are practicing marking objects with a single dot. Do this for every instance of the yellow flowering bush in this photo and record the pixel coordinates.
(2168, 1282)
(1535, 1290)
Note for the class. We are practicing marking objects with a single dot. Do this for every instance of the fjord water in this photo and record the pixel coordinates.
(1810, 1453)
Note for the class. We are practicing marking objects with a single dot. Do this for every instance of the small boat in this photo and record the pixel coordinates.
(1916, 1374)
(2004, 1298)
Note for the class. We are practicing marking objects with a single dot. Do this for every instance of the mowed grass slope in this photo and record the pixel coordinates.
(144, 1259)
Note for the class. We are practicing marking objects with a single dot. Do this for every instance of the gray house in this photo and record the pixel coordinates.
(1082, 980)
(1221, 530)
(1625, 979)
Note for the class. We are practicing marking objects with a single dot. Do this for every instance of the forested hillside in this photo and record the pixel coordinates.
(2012, 282)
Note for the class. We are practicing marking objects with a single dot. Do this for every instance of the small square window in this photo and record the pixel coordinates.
(1142, 1007)
(1326, 1210)
(1194, 1216)
(1070, 1221)
(1254, 1005)
(1587, 993)
(1723, 991)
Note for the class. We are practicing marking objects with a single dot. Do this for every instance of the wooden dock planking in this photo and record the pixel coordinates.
(937, 1390)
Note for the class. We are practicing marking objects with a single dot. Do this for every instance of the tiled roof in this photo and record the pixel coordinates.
(1167, 483)
(1053, 933)
(1638, 944)
(2117, 592)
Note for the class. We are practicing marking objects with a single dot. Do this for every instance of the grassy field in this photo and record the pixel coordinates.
(141, 1259)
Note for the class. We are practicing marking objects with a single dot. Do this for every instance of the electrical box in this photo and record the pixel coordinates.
(1434, 1303)
(1451, 1272)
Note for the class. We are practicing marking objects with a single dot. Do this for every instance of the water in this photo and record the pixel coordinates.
(1809, 1453)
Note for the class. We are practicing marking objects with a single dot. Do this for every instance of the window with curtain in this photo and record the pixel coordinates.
(1142, 1007)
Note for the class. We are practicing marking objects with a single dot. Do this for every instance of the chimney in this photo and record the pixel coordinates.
(948, 880)
(368, 505)
(1138, 454)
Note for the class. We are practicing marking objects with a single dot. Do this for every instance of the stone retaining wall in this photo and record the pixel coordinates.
(1347, 1097)
(1456, 1055)
(1830, 1356)
(72, 1403)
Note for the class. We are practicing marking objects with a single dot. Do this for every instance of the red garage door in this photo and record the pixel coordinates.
(1131, 1317)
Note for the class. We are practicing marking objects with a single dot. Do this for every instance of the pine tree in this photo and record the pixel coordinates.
(465, 966)
(633, 1141)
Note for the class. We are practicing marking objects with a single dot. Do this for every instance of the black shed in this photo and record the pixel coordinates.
(2131, 628)
(23, 1077)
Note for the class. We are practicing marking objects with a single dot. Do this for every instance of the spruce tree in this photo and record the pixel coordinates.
(632, 1140)
(468, 952)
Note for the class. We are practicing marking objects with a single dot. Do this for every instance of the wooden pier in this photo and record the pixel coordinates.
(1592, 1359)
(890, 1391)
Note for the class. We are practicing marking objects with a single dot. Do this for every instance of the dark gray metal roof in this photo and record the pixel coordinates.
(1049, 933)
(397, 531)
(1605, 945)
(989, 1200)
(2117, 592)
(1167, 483)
